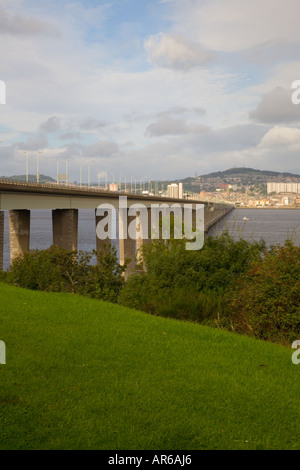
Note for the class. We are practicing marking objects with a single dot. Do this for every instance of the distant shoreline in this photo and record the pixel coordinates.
(270, 208)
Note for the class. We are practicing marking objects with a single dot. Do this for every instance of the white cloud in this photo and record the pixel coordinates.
(276, 107)
(52, 124)
(19, 24)
(232, 25)
(102, 149)
(176, 52)
(81, 85)
(92, 124)
(284, 137)
(35, 143)
(173, 126)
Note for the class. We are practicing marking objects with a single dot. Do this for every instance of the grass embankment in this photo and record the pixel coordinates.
(85, 374)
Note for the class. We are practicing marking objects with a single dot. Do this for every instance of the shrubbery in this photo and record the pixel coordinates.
(266, 300)
(189, 284)
(59, 270)
(237, 285)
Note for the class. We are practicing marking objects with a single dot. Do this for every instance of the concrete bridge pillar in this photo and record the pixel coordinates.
(127, 246)
(19, 232)
(1, 239)
(144, 238)
(100, 243)
(65, 228)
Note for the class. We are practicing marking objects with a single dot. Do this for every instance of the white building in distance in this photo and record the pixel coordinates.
(283, 188)
(175, 190)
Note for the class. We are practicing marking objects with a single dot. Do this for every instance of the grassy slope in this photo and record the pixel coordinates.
(84, 374)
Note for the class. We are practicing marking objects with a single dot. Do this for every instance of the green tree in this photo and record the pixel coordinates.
(266, 300)
(60, 270)
(189, 283)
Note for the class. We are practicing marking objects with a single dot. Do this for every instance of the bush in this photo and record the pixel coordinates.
(60, 270)
(105, 280)
(200, 307)
(266, 301)
(189, 284)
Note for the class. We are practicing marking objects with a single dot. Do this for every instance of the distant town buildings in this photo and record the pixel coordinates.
(175, 190)
(113, 187)
(283, 188)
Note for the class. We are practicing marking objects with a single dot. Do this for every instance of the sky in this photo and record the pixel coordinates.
(148, 89)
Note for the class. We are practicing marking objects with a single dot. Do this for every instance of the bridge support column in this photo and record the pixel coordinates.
(127, 246)
(65, 228)
(144, 238)
(1, 239)
(101, 245)
(19, 232)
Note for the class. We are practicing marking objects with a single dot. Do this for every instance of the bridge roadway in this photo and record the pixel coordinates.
(65, 201)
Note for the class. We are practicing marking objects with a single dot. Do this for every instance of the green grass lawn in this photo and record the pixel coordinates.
(85, 374)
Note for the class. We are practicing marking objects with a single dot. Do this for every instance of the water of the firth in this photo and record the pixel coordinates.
(273, 225)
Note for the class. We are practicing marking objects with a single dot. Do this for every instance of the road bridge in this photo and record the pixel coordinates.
(65, 201)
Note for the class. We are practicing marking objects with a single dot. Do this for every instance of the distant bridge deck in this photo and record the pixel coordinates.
(18, 195)
(65, 201)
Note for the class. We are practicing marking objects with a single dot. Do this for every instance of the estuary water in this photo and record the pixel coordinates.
(273, 225)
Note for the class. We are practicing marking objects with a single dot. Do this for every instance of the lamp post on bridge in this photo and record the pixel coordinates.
(98, 176)
(37, 166)
(57, 172)
(26, 156)
(67, 169)
(89, 176)
(80, 167)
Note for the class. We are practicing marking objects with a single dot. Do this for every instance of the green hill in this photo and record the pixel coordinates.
(85, 374)
(31, 178)
(248, 171)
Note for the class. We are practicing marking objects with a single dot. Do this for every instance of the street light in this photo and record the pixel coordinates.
(26, 154)
(89, 176)
(37, 167)
(98, 176)
(80, 175)
(113, 176)
(57, 177)
(67, 168)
